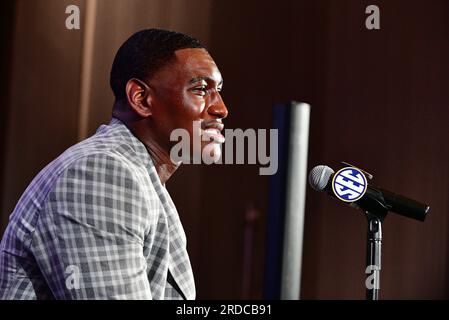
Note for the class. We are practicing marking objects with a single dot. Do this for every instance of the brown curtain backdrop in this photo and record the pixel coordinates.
(379, 100)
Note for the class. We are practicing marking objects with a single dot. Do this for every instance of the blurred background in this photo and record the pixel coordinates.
(379, 100)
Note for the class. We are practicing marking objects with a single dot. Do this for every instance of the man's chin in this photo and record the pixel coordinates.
(211, 153)
(208, 153)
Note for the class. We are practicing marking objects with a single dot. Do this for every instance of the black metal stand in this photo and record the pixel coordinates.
(373, 257)
(376, 204)
(375, 212)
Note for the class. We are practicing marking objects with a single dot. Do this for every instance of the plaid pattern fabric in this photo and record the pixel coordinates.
(96, 223)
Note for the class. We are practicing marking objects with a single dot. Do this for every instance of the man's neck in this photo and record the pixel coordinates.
(160, 156)
(161, 160)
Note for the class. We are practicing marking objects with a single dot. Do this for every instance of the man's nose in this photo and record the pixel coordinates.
(218, 108)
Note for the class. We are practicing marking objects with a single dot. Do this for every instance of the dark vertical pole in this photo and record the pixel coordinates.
(373, 255)
(7, 18)
(287, 203)
(276, 210)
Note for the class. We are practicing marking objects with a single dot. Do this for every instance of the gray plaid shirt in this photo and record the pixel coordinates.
(96, 223)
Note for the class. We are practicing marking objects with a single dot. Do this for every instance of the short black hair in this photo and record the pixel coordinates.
(143, 54)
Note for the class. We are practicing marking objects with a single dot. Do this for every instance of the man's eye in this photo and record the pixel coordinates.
(201, 89)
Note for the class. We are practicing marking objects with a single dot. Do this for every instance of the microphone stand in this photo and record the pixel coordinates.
(376, 209)
(373, 256)
(375, 212)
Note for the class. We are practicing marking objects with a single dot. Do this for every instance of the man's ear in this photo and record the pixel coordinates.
(139, 97)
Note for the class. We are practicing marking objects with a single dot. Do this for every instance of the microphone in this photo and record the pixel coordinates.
(374, 199)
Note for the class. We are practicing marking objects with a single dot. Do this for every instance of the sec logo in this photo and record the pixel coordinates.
(349, 184)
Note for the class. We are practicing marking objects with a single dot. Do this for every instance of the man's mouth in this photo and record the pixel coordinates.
(212, 131)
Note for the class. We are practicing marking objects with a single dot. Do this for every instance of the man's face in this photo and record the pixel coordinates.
(188, 90)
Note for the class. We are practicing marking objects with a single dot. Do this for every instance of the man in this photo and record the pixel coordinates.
(97, 222)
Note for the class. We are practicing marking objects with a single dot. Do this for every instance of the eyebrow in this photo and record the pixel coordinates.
(201, 78)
